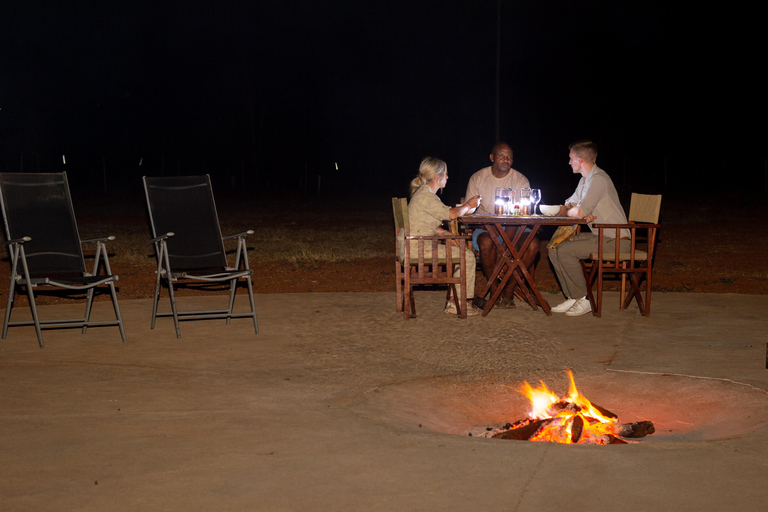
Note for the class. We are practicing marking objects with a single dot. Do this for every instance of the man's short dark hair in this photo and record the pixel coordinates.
(498, 145)
(585, 149)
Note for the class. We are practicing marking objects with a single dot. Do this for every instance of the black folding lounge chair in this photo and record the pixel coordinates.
(189, 245)
(45, 248)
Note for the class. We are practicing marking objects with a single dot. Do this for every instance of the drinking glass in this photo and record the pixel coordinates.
(535, 198)
(500, 201)
(525, 201)
(509, 206)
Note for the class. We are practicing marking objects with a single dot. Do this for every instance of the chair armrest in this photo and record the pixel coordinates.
(439, 237)
(239, 235)
(101, 239)
(448, 238)
(17, 240)
(162, 237)
(633, 225)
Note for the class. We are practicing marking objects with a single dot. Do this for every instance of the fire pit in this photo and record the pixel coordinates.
(571, 419)
(683, 408)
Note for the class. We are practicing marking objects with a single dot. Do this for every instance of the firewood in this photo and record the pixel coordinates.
(523, 433)
(577, 427)
(518, 423)
(564, 405)
(636, 430)
(605, 412)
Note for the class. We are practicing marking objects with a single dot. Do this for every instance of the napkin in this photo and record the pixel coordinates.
(562, 234)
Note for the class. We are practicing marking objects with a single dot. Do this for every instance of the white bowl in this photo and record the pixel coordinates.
(549, 209)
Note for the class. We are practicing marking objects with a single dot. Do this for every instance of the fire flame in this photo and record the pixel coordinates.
(570, 419)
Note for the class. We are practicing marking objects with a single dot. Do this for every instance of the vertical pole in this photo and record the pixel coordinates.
(498, 64)
(624, 177)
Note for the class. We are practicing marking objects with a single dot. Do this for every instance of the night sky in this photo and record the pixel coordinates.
(270, 95)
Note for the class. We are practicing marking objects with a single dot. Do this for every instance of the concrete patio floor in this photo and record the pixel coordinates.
(340, 404)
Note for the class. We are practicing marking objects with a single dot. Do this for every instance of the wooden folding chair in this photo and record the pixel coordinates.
(637, 264)
(433, 263)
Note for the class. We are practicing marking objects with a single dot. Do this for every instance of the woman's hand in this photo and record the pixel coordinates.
(464, 208)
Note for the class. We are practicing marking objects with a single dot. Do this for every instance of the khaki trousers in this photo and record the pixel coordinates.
(566, 261)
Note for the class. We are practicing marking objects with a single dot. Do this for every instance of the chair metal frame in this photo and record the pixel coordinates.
(636, 264)
(168, 274)
(418, 270)
(52, 264)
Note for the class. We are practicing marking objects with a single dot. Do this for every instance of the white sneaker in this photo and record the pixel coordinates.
(563, 307)
(581, 307)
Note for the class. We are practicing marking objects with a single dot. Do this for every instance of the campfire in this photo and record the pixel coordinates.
(571, 419)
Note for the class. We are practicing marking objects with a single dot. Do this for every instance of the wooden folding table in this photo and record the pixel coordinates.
(511, 252)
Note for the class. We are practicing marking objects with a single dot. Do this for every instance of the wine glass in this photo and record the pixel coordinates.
(535, 198)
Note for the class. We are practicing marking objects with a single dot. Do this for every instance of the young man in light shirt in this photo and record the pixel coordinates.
(597, 201)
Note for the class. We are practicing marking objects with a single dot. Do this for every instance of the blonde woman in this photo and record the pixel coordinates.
(427, 214)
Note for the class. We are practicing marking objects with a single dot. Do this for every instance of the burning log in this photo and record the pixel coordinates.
(522, 433)
(605, 412)
(571, 420)
(527, 430)
(577, 428)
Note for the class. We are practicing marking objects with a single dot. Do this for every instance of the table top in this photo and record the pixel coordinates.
(528, 220)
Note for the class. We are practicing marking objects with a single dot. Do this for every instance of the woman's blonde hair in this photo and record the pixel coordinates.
(430, 166)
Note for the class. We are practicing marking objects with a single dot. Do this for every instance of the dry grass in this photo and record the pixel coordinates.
(303, 244)
(300, 237)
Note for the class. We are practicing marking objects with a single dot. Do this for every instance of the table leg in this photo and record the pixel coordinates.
(493, 233)
(531, 284)
(517, 262)
(507, 249)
